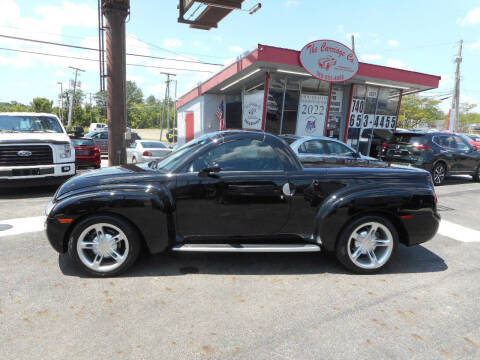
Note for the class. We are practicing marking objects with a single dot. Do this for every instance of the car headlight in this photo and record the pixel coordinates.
(49, 207)
(65, 151)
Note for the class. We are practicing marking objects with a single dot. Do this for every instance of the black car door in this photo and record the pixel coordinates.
(244, 198)
(466, 158)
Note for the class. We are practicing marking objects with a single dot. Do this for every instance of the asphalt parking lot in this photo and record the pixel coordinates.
(425, 305)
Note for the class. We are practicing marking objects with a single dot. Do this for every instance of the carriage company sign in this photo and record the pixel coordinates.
(329, 60)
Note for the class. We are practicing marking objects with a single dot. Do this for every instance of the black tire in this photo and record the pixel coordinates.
(476, 174)
(439, 172)
(134, 160)
(98, 166)
(131, 235)
(341, 249)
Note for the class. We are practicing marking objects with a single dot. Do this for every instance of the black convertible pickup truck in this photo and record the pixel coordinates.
(240, 191)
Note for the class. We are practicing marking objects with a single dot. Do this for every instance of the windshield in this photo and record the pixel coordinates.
(29, 123)
(82, 142)
(177, 156)
(153, 144)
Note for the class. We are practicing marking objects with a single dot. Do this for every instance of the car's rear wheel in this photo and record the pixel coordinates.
(438, 173)
(104, 245)
(476, 174)
(367, 244)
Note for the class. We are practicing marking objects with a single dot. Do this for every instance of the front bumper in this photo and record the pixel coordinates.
(36, 171)
(56, 233)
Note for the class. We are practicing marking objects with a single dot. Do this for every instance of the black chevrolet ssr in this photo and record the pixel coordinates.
(240, 191)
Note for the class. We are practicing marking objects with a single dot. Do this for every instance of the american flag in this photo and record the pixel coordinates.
(220, 115)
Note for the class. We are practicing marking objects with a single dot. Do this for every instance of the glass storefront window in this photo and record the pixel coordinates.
(372, 117)
(336, 112)
(274, 104)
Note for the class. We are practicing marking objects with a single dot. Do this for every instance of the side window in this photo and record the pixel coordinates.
(335, 148)
(240, 155)
(316, 147)
(133, 145)
(104, 135)
(461, 144)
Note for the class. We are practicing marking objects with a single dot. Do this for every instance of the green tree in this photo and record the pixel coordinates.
(43, 105)
(134, 93)
(466, 118)
(14, 107)
(416, 111)
(101, 102)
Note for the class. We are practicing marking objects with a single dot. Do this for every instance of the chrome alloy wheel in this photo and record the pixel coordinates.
(370, 245)
(102, 247)
(438, 174)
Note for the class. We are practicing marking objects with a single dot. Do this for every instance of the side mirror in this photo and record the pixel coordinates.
(209, 171)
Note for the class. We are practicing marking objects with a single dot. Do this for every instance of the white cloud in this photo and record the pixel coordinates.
(138, 79)
(370, 57)
(397, 63)
(445, 80)
(172, 43)
(349, 35)
(236, 49)
(157, 90)
(393, 43)
(70, 14)
(475, 45)
(472, 17)
(291, 3)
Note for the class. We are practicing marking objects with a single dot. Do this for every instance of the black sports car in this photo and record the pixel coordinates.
(240, 191)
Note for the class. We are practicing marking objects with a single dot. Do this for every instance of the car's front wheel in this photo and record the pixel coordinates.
(367, 244)
(438, 173)
(104, 245)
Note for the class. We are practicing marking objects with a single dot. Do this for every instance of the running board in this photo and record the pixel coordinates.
(247, 247)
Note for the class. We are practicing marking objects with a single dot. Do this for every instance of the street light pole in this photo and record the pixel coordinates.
(72, 96)
(115, 12)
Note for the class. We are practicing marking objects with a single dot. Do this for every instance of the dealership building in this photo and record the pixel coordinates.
(321, 90)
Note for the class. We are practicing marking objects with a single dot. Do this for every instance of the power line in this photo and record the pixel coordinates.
(184, 54)
(96, 60)
(94, 49)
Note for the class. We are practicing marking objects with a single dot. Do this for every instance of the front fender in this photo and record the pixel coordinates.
(391, 201)
(148, 208)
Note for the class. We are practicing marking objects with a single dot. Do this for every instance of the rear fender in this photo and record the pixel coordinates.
(149, 208)
(347, 204)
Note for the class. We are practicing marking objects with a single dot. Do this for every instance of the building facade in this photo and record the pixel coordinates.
(274, 90)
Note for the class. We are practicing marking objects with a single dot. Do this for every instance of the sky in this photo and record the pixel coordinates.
(417, 35)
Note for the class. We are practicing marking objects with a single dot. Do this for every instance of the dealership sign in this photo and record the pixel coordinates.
(329, 61)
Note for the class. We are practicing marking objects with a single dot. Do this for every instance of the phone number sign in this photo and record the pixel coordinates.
(360, 120)
(329, 60)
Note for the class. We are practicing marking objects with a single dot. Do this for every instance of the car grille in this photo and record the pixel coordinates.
(41, 155)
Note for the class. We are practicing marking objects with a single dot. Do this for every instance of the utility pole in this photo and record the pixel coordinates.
(116, 12)
(72, 96)
(61, 101)
(175, 126)
(166, 103)
(455, 112)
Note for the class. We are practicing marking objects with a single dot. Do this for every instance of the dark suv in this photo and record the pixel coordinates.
(441, 153)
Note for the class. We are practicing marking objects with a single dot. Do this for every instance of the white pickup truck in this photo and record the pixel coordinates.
(34, 150)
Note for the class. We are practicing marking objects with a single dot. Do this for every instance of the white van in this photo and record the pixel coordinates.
(96, 127)
(34, 147)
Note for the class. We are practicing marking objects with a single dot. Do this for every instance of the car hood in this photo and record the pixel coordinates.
(28, 137)
(103, 178)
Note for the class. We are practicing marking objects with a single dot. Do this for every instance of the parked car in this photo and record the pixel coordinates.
(325, 151)
(97, 127)
(240, 191)
(101, 139)
(34, 150)
(87, 153)
(474, 139)
(441, 153)
(146, 150)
